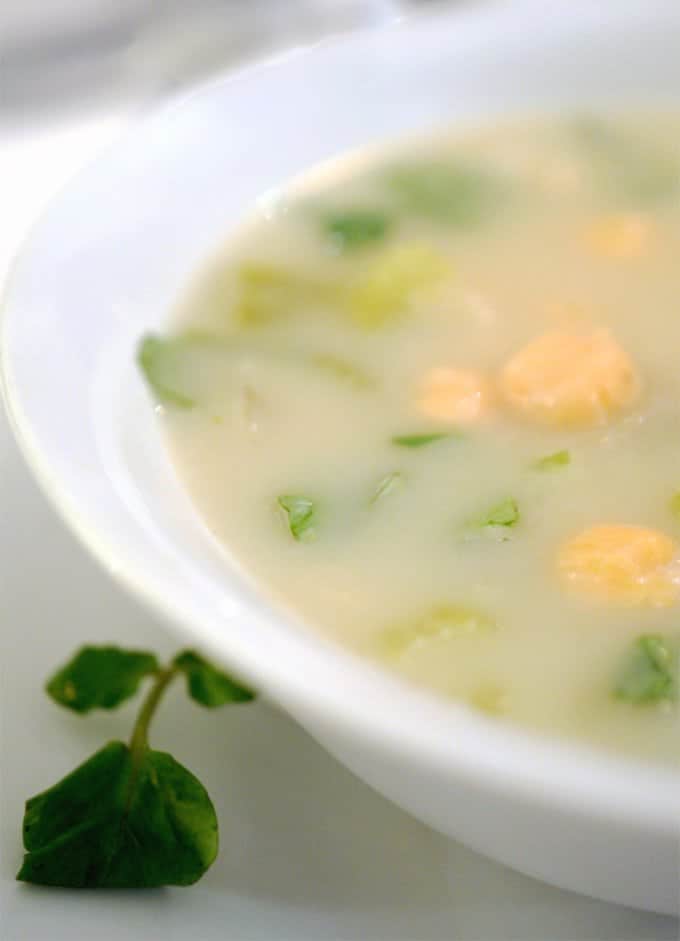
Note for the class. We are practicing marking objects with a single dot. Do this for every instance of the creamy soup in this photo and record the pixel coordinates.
(429, 397)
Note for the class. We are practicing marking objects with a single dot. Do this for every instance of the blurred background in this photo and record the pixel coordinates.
(61, 54)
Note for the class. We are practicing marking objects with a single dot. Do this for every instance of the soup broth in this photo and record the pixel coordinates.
(430, 398)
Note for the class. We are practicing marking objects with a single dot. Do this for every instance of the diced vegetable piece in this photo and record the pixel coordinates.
(552, 461)
(674, 505)
(457, 195)
(420, 440)
(650, 673)
(161, 361)
(570, 378)
(341, 369)
(442, 623)
(629, 166)
(356, 228)
(620, 564)
(389, 484)
(495, 524)
(459, 396)
(301, 516)
(391, 281)
(266, 293)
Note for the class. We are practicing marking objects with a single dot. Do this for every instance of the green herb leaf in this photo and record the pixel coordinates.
(158, 360)
(356, 228)
(385, 289)
(208, 686)
(552, 461)
(627, 164)
(300, 513)
(420, 440)
(442, 623)
(389, 483)
(100, 677)
(496, 523)
(650, 673)
(457, 195)
(119, 823)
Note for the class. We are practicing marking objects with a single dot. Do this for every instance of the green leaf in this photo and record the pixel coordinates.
(387, 286)
(650, 672)
(495, 523)
(120, 823)
(389, 484)
(300, 512)
(628, 165)
(352, 229)
(457, 195)
(208, 686)
(100, 677)
(442, 623)
(158, 359)
(268, 293)
(420, 440)
(552, 461)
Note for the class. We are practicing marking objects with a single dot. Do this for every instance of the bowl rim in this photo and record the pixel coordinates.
(537, 767)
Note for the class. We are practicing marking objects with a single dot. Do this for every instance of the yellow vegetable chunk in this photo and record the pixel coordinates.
(624, 564)
(570, 379)
(458, 396)
(622, 236)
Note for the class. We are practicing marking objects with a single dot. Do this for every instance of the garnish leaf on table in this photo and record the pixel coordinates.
(129, 816)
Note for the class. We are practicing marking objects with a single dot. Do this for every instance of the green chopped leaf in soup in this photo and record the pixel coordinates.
(440, 624)
(207, 685)
(496, 523)
(421, 440)
(628, 166)
(101, 677)
(159, 359)
(650, 672)
(354, 229)
(388, 285)
(120, 820)
(267, 293)
(390, 483)
(674, 505)
(454, 194)
(552, 461)
(300, 514)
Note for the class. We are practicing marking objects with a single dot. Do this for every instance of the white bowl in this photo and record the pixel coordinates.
(106, 264)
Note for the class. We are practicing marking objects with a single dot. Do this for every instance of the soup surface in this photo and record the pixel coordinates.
(430, 398)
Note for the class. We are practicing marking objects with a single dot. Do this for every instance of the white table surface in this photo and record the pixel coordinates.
(308, 852)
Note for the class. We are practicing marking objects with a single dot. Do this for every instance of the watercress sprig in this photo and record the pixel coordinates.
(129, 816)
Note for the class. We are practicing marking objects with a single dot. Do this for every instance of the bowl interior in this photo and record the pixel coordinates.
(111, 256)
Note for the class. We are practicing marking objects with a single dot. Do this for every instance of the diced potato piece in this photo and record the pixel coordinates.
(458, 396)
(622, 236)
(625, 564)
(575, 379)
(389, 283)
(442, 623)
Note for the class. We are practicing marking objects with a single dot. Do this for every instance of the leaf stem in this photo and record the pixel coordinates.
(140, 732)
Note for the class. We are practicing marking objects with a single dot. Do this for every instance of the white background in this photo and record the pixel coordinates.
(307, 851)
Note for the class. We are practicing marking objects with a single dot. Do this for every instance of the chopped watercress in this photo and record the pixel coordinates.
(387, 485)
(421, 440)
(159, 358)
(650, 671)
(633, 169)
(129, 816)
(441, 623)
(455, 194)
(300, 515)
(386, 287)
(552, 461)
(496, 523)
(353, 229)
